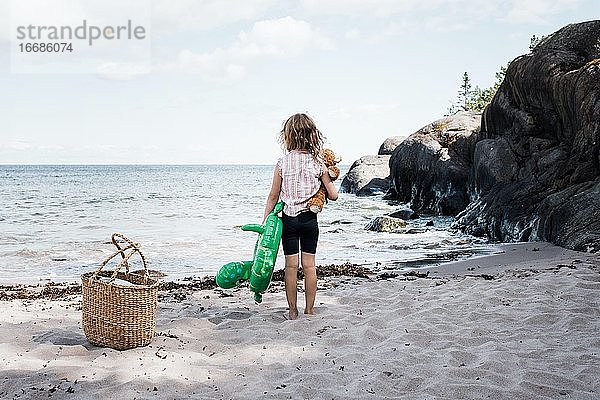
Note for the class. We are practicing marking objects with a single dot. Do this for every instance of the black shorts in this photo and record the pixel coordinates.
(302, 228)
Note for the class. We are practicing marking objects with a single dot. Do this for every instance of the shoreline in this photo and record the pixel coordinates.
(65, 290)
(487, 264)
(56, 290)
(514, 256)
(529, 331)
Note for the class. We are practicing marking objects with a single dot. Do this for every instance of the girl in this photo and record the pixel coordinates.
(296, 178)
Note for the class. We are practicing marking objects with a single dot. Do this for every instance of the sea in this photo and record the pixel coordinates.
(56, 222)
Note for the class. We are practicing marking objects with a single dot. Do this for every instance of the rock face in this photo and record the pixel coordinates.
(430, 169)
(536, 163)
(367, 176)
(390, 144)
(386, 224)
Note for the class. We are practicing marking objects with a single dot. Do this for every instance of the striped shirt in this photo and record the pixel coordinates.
(300, 175)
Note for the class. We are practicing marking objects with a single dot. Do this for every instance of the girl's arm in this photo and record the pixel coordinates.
(274, 193)
(332, 193)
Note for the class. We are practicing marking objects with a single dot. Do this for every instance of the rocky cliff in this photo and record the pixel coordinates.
(535, 171)
(430, 169)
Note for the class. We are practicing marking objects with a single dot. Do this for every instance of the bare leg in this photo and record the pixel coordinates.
(291, 284)
(310, 281)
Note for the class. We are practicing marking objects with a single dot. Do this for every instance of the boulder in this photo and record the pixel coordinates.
(389, 145)
(536, 162)
(386, 224)
(430, 169)
(404, 214)
(367, 176)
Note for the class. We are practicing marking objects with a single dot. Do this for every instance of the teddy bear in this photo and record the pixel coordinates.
(316, 203)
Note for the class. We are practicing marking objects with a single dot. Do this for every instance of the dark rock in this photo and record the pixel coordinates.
(536, 163)
(374, 187)
(339, 221)
(417, 274)
(367, 176)
(386, 275)
(390, 144)
(414, 231)
(430, 169)
(404, 214)
(386, 224)
(429, 223)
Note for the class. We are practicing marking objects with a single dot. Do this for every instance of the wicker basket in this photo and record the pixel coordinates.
(117, 315)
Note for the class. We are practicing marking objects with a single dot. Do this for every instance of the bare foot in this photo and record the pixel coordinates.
(291, 314)
(309, 312)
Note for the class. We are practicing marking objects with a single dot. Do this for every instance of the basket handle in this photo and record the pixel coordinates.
(134, 247)
(118, 246)
(131, 244)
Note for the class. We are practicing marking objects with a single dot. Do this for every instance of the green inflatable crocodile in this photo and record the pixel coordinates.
(260, 270)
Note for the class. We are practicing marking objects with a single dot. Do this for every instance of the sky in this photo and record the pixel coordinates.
(222, 76)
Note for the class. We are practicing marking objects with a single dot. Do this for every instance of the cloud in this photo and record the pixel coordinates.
(52, 147)
(352, 34)
(17, 145)
(122, 71)
(14, 13)
(537, 11)
(393, 29)
(446, 24)
(358, 8)
(378, 108)
(4, 22)
(368, 110)
(168, 16)
(396, 18)
(443, 16)
(284, 37)
(281, 37)
(215, 66)
(205, 14)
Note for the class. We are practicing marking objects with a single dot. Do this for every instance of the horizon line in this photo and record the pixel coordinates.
(111, 164)
(133, 165)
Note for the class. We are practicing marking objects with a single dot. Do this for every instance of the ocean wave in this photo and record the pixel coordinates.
(26, 253)
(159, 196)
(13, 239)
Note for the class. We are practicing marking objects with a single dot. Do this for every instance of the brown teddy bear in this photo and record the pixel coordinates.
(316, 203)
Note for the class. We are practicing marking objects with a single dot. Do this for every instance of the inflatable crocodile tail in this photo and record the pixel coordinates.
(260, 270)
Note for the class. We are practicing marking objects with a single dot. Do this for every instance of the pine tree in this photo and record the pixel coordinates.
(535, 41)
(465, 93)
(478, 98)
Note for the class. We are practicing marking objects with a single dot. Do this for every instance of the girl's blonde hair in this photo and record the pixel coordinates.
(300, 133)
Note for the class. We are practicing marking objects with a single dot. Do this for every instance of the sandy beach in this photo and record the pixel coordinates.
(522, 324)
